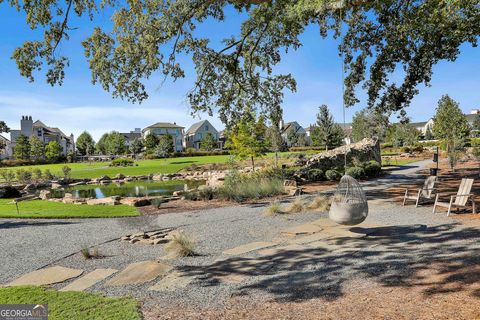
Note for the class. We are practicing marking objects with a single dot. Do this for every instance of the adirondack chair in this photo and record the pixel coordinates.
(460, 199)
(425, 193)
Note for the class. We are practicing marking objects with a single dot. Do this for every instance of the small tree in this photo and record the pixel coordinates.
(402, 134)
(101, 146)
(53, 151)
(451, 125)
(151, 142)
(327, 133)
(7, 175)
(85, 144)
(247, 140)
(37, 148)
(116, 143)
(368, 124)
(66, 172)
(3, 127)
(136, 147)
(165, 146)
(208, 142)
(22, 148)
(37, 174)
(429, 134)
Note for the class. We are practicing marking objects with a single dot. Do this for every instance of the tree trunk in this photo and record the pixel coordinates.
(276, 159)
(253, 164)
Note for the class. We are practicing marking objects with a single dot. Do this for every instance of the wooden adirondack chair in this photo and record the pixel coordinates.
(424, 193)
(460, 199)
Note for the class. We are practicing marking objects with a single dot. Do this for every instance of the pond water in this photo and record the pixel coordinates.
(143, 188)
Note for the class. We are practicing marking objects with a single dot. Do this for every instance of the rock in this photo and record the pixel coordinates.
(289, 183)
(134, 240)
(80, 183)
(362, 151)
(128, 179)
(145, 241)
(157, 241)
(125, 238)
(105, 182)
(45, 194)
(178, 193)
(136, 202)
(68, 195)
(56, 185)
(142, 178)
(119, 176)
(157, 177)
(112, 201)
(103, 178)
(29, 188)
(9, 192)
(138, 235)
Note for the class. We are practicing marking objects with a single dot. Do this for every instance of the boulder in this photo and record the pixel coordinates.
(119, 176)
(157, 177)
(136, 202)
(103, 178)
(29, 188)
(111, 201)
(80, 183)
(362, 151)
(56, 185)
(45, 194)
(9, 192)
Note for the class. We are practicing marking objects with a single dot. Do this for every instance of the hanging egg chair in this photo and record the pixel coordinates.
(349, 204)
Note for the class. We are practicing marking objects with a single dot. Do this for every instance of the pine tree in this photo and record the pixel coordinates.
(327, 133)
(85, 144)
(22, 148)
(37, 148)
(208, 142)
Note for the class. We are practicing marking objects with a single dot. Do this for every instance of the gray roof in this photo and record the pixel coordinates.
(194, 127)
(40, 124)
(163, 125)
(419, 124)
(130, 136)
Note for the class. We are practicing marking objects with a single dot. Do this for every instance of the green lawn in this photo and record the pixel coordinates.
(399, 162)
(73, 305)
(51, 210)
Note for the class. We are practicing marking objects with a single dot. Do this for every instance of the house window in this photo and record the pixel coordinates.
(39, 132)
(206, 127)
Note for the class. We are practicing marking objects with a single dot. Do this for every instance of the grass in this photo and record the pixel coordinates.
(399, 162)
(320, 203)
(50, 210)
(92, 170)
(274, 208)
(180, 245)
(91, 254)
(239, 188)
(73, 305)
(297, 206)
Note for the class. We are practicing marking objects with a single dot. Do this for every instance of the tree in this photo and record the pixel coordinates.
(22, 149)
(292, 137)
(274, 139)
(429, 134)
(136, 147)
(165, 146)
(85, 144)
(151, 142)
(369, 124)
(402, 134)
(116, 143)
(101, 146)
(53, 151)
(247, 139)
(37, 148)
(3, 127)
(451, 126)
(327, 133)
(476, 125)
(378, 37)
(208, 142)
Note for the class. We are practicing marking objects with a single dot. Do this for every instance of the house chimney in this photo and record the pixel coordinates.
(26, 126)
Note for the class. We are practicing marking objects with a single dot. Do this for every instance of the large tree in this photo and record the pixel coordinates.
(165, 146)
(369, 124)
(37, 148)
(85, 144)
(327, 133)
(22, 148)
(53, 151)
(379, 37)
(101, 146)
(136, 146)
(116, 143)
(208, 142)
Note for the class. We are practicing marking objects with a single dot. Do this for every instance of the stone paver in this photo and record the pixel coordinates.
(310, 238)
(283, 249)
(172, 281)
(89, 280)
(46, 276)
(249, 247)
(140, 272)
(308, 228)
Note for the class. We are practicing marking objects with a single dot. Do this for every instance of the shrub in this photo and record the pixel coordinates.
(122, 162)
(315, 175)
(66, 171)
(206, 193)
(297, 206)
(333, 175)
(406, 149)
(355, 172)
(320, 203)
(274, 208)
(180, 245)
(37, 174)
(372, 168)
(16, 163)
(7, 175)
(24, 176)
(240, 187)
(91, 254)
(48, 175)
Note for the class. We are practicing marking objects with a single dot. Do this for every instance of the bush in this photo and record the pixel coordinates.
(274, 208)
(37, 174)
(66, 171)
(122, 162)
(315, 175)
(333, 175)
(372, 168)
(320, 203)
(355, 172)
(7, 175)
(297, 206)
(180, 245)
(406, 150)
(206, 193)
(16, 163)
(48, 175)
(24, 176)
(240, 187)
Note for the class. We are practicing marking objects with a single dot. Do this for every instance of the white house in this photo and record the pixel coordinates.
(195, 134)
(6, 151)
(45, 133)
(164, 128)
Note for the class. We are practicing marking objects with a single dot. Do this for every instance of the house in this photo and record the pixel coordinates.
(5, 148)
(131, 136)
(164, 128)
(45, 133)
(290, 128)
(195, 134)
(424, 126)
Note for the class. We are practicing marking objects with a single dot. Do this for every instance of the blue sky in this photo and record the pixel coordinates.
(78, 105)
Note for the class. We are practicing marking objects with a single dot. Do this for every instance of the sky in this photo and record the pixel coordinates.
(79, 105)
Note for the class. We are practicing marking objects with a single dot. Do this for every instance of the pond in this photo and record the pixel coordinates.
(143, 188)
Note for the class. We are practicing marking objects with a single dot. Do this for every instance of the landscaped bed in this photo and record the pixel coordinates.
(73, 305)
(53, 210)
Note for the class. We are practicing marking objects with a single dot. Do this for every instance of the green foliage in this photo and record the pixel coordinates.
(137, 146)
(122, 162)
(115, 143)
(3, 127)
(274, 139)
(37, 149)
(22, 149)
(23, 176)
(333, 175)
(151, 142)
(85, 144)
(240, 187)
(165, 146)
(372, 168)
(369, 124)
(327, 133)
(53, 151)
(37, 174)
(66, 172)
(208, 143)
(73, 305)
(355, 172)
(101, 146)
(315, 175)
(402, 134)
(7, 175)
(48, 175)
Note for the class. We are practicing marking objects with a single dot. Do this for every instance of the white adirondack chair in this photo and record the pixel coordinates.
(424, 193)
(460, 199)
